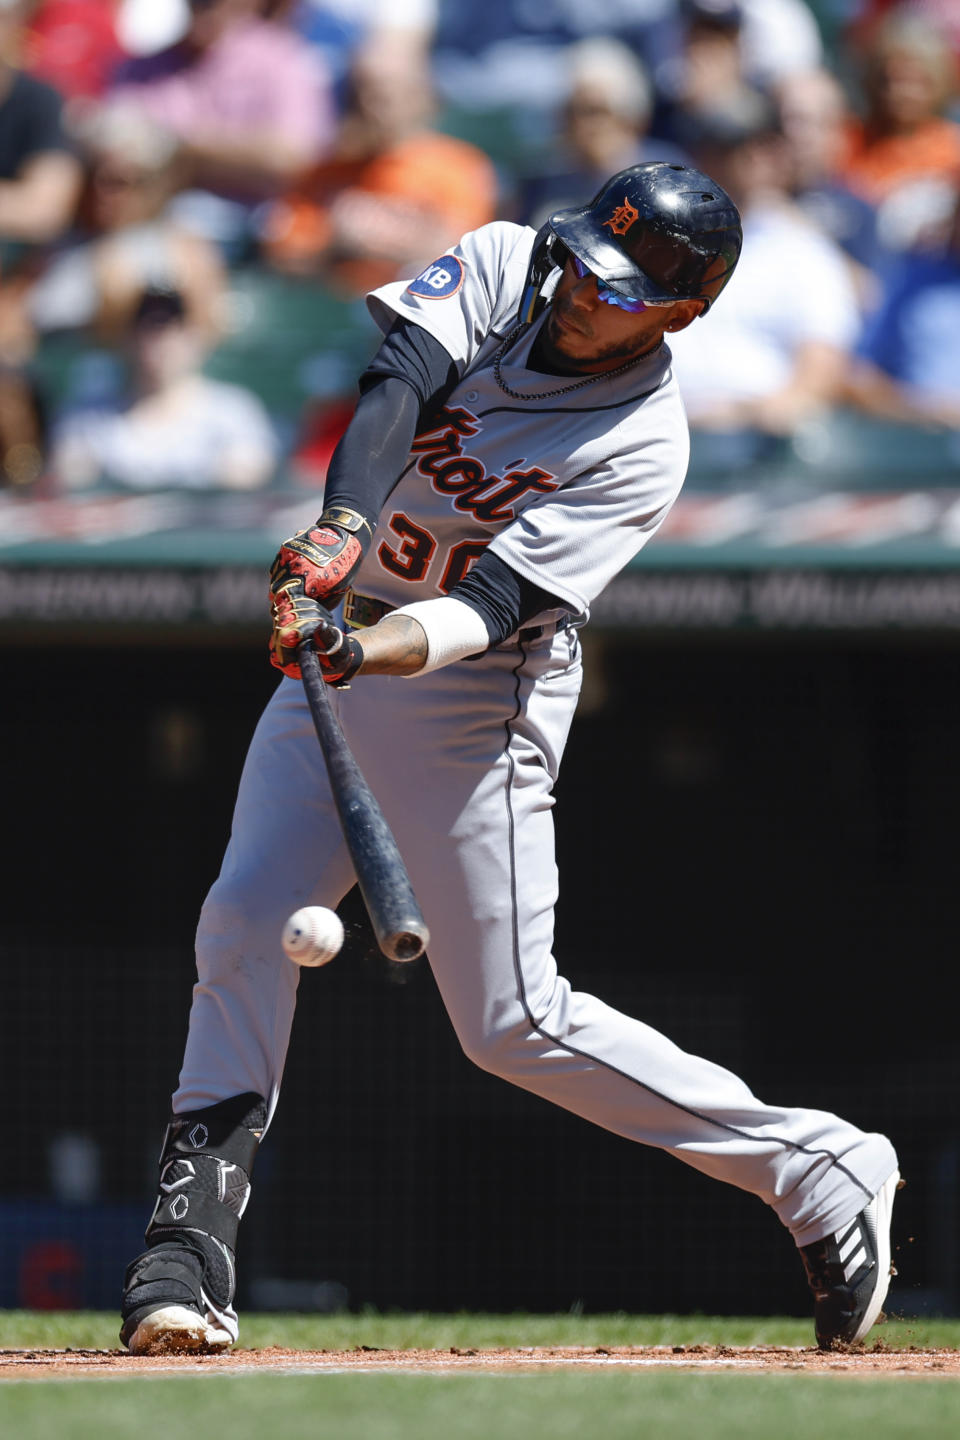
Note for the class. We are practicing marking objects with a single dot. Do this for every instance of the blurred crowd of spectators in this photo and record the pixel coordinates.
(153, 150)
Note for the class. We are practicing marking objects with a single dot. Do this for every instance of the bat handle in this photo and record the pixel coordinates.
(324, 720)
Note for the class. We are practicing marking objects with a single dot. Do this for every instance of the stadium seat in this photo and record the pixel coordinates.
(291, 341)
(848, 448)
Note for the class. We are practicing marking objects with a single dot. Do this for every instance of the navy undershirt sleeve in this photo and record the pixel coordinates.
(413, 354)
(503, 599)
(405, 383)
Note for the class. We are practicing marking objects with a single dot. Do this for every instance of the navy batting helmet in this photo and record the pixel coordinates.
(657, 232)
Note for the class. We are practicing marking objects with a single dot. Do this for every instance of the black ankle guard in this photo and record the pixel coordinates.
(205, 1167)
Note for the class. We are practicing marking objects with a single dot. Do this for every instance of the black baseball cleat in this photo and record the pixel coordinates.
(166, 1309)
(849, 1272)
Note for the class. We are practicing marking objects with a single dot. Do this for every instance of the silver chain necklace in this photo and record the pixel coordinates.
(560, 389)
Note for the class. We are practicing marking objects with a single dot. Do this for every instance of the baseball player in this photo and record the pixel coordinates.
(518, 438)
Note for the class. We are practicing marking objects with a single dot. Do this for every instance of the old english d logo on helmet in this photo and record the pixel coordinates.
(623, 217)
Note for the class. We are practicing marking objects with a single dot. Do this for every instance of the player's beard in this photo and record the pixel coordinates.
(548, 353)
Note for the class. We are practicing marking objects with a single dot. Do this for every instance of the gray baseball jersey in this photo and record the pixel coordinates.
(566, 480)
(566, 483)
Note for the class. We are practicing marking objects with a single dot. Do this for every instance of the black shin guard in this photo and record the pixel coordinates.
(205, 1168)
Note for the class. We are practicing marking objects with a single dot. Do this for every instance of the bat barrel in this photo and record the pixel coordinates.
(408, 944)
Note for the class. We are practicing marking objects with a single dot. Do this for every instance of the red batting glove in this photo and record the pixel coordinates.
(340, 655)
(297, 617)
(324, 556)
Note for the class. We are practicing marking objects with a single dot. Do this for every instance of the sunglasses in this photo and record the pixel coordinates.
(612, 297)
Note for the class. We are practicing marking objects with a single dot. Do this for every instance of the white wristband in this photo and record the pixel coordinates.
(453, 630)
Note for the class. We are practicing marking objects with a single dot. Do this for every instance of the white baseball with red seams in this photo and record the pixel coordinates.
(313, 935)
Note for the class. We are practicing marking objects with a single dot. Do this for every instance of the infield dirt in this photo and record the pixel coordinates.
(871, 1361)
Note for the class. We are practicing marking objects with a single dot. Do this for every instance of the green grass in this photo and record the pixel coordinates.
(613, 1405)
(95, 1330)
(606, 1403)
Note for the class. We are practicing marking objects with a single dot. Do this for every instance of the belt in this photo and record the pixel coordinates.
(359, 611)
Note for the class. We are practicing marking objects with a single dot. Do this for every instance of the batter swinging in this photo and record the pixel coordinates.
(518, 438)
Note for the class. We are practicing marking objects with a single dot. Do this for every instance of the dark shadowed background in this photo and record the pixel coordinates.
(757, 847)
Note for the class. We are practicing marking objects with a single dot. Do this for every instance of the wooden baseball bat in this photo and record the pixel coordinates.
(381, 873)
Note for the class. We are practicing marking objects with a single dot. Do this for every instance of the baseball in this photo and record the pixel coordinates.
(313, 935)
